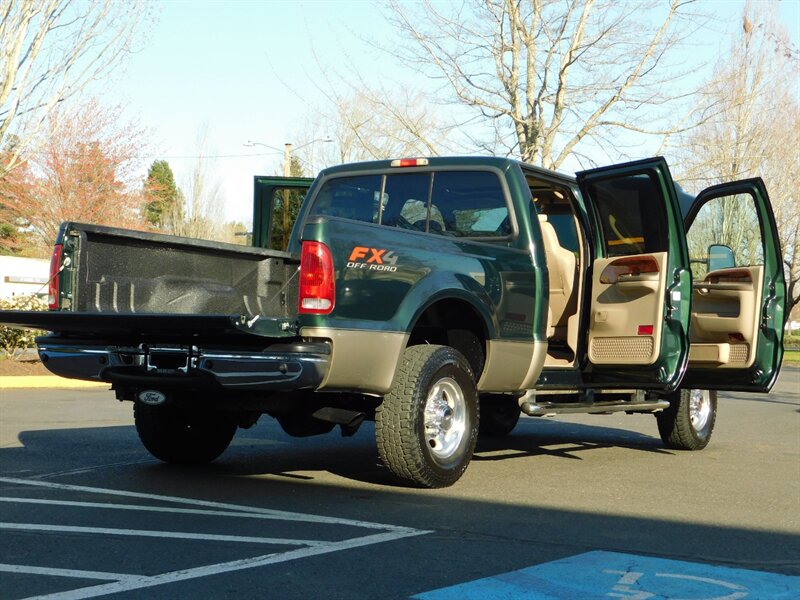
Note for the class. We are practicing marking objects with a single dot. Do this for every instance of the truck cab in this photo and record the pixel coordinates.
(645, 285)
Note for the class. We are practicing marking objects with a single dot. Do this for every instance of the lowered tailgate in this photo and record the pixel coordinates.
(138, 309)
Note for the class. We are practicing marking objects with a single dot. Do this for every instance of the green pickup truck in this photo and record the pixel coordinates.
(439, 297)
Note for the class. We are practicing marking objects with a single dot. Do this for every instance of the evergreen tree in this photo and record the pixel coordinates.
(164, 206)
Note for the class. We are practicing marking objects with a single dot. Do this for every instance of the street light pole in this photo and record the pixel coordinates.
(287, 159)
(288, 148)
(287, 172)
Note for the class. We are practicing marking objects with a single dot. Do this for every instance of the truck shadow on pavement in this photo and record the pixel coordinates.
(265, 450)
(534, 437)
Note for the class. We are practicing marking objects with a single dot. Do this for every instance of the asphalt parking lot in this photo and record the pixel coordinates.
(589, 507)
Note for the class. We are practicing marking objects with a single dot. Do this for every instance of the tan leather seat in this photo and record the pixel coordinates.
(561, 269)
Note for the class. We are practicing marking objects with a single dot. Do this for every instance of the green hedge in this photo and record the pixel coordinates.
(14, 341)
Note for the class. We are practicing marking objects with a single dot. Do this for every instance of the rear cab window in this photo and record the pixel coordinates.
(458, 203)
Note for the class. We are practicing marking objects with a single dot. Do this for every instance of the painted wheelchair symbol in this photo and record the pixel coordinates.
(629, 588)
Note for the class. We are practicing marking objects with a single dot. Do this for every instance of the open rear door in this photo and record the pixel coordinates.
(276, 204)
(641, 284)
(739, 292)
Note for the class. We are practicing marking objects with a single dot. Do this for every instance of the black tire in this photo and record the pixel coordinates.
(499, 414)
(439, 379)
(689, 421)
(183, 435)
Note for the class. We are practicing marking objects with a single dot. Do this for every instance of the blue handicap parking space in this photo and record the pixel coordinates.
(610, 575)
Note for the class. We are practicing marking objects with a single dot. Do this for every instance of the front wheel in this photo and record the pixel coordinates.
(184, 435)
(427, 426)
(688, 422)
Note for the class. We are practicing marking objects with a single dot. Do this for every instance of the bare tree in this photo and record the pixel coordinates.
(371, 124)
(546, 75)
(49, 51)
(756, 128)
(201, 212)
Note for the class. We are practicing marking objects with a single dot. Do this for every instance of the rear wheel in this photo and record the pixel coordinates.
(499, 414)
(427, 426)
(182, 435)
(689, 421)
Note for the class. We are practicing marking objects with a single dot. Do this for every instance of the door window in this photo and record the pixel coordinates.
(725, 225)
(631, 212)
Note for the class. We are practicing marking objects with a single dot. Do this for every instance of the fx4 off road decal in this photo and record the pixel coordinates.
(372, 259)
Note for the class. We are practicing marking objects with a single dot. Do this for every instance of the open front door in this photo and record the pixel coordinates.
(641, 284)
(739, 293)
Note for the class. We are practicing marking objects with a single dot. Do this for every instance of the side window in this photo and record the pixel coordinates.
(469, 204)
(725, 233)
(354, 198)
(632, 218)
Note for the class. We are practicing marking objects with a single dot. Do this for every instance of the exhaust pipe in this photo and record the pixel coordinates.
(348, 420)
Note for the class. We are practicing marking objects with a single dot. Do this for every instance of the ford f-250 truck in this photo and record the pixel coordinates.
(438, 297)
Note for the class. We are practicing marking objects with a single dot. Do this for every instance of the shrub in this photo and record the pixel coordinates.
(12, 339)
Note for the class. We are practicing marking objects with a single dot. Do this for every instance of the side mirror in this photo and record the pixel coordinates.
(720, 257)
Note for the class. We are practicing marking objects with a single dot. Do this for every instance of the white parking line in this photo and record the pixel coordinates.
(89, 469)
(275, 514)
(177, 535)
(125, 582)
(26, 570)
(136, 583)
(141, 508)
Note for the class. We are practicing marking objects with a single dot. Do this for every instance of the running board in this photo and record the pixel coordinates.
(551, 408)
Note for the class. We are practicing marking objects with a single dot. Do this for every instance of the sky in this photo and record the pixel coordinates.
(250, 70)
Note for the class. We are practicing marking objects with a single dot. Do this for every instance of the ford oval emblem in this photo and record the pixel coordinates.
(152, 397)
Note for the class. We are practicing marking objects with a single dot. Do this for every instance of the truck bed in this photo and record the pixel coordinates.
(118, 271)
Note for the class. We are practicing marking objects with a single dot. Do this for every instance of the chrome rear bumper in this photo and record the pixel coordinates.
(286, 367)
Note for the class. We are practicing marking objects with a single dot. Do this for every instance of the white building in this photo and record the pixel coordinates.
(19, 276)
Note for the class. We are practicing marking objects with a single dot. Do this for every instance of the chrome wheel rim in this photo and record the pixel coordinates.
(445, 420)
(699, 409)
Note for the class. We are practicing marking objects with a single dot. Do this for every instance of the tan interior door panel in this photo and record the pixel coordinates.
(725, 317)
(627, 309)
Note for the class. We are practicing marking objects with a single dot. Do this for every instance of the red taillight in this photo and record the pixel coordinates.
(55, 269)
(317, 288)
